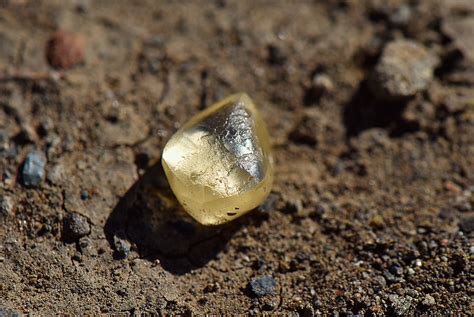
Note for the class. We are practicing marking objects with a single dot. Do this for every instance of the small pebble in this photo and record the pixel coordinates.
(445, 213)
(323, 83)
(84, 243)
(65, 49)
(467, 224)
(6, 205)
(404, 69)
(410, 271)
(429, 300)
(389, 276)
(122, 247)
(400, 305)
(84, 195)
(33, 169)
(262, 286)
(56, 174)
(396, 270)
(376, 222)
(320, 85)
(401, 17)
(75, 227)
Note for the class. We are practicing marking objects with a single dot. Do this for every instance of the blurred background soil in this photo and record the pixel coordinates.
(370, 105)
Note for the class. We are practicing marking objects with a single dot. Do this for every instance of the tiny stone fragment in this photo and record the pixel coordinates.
(84, 243)
(33, 169)
(429, 300)
(262, 286)
(467, 224)
(376, 222)
(320, 85)
(56, 174)
(401, 17)
(404, 69)
(396, 270)
(380, 280)
(323, 83)
(84, 195)
(6, 205)
(75, 227)
(400, 305)
(122, 247)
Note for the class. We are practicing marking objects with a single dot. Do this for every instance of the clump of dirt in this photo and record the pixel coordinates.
(372, 207)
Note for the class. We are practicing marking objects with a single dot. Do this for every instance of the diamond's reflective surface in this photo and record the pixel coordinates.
(219, 163)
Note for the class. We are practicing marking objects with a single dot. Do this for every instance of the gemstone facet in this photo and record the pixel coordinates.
(219, 163)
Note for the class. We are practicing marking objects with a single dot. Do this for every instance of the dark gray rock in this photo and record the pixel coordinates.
(33, 169)
(76, 227)
(262, 285)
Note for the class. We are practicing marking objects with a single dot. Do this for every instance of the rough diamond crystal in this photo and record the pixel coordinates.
(219, 164)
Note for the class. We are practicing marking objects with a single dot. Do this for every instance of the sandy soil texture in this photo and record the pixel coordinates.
(370, 106)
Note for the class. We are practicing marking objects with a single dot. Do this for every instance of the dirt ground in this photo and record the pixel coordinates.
(372, 208)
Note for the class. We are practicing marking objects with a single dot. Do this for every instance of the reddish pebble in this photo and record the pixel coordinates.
(451, 187)
(65, 49)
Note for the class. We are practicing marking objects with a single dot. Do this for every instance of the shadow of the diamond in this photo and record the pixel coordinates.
(365, 111)
(149, 216)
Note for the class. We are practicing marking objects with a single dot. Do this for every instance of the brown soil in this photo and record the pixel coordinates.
(373, 203)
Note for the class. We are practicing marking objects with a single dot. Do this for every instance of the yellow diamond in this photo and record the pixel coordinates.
(219, 164)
